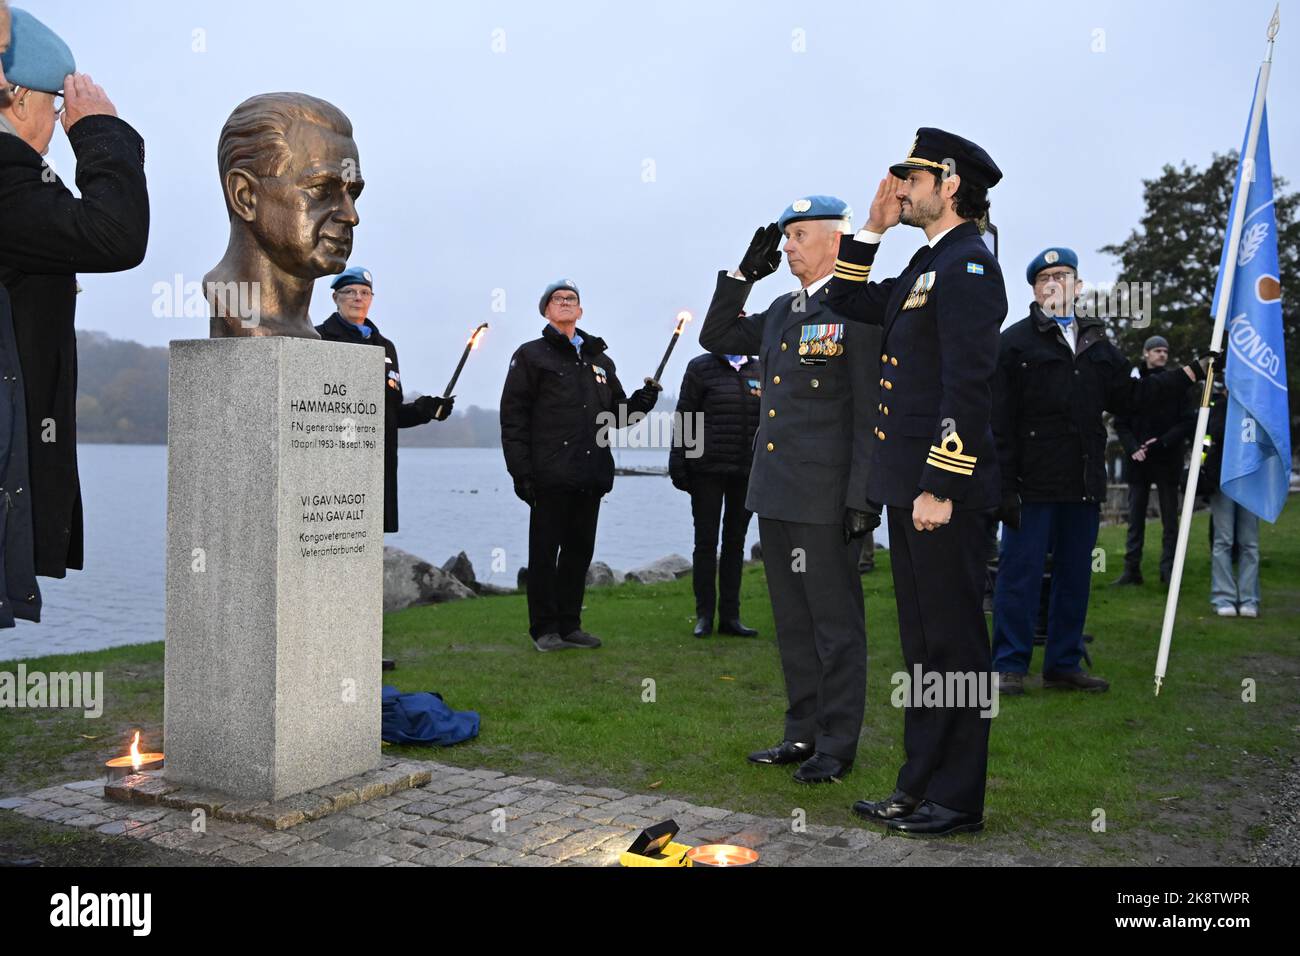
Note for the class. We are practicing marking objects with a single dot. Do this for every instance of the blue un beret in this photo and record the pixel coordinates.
(36, 59)
(555, 287)
(1055, 256)
(356, 275)
(815, 207)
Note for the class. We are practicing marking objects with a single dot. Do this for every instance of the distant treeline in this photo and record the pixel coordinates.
(122, 399)
(121, 391)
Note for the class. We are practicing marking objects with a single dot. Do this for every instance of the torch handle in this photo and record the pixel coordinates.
(456, 374)
(672, 344)
(469, 347)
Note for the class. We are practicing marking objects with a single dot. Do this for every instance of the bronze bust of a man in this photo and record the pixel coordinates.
(291, 177)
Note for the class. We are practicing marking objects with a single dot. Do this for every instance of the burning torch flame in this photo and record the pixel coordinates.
(477, 336)
(682, 318)
(136, 760)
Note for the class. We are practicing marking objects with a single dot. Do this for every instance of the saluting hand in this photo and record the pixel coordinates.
(763, 257)
(885, 205)
(82, 97)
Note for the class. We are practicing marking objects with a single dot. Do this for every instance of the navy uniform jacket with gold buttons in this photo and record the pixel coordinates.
(938, 354)
(812, 447)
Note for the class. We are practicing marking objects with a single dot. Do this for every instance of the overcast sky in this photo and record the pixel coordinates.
(636, 147)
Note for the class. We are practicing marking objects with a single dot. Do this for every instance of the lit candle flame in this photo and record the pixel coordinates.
(477, 336)
(136, 760)
(682, 318)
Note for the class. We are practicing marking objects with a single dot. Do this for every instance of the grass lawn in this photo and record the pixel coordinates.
(1157, 767)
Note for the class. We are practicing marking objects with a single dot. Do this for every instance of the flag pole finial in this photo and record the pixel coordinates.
(1274, 25)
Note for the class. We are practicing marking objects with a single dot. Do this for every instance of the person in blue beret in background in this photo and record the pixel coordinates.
(354, 293)
(1057, 374)
(47, 236)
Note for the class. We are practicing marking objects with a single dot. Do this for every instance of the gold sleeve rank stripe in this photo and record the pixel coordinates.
(851, 271)
(948, 465)
(949, 456)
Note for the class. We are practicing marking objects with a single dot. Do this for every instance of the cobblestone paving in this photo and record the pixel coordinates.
(486, 818)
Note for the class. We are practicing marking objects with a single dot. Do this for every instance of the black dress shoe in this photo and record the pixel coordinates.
(1074, 680)
(703, 626)
(897, 804)
(930, 819)
(1129, 577)
(823, 768)
(734, 626)
(787, 751)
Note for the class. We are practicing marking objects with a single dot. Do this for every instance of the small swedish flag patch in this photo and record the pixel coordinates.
(975, 268)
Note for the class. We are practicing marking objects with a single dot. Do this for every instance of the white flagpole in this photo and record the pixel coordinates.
(1216, 340)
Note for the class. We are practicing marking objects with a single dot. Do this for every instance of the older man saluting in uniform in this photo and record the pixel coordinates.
(934, 465)
(809, 479)
(48, 236)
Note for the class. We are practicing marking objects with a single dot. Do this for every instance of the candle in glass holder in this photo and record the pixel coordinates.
(722, 854)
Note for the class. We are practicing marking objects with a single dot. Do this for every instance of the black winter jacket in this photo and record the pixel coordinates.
(1167, 417)
(727, 402)
(47, 236)
(19, 595)
(1048, 406)
(397, 413)
(553, 432)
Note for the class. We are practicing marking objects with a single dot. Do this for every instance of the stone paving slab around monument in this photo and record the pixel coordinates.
(485, 818)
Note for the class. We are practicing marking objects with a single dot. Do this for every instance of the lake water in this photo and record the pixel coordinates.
(452, 499)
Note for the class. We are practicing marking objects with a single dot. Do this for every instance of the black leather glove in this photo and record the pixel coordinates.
(858, 523)
(681, 482)
(1200, 366)
(524, 491)
(647, 394)
(1009, 511)
(764, 255)
(435, 409)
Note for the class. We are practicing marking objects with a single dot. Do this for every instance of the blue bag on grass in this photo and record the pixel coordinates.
(423, 718)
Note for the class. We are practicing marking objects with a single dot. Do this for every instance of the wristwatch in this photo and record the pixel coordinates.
(939, 498)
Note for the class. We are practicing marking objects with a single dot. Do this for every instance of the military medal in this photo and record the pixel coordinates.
(817, 342)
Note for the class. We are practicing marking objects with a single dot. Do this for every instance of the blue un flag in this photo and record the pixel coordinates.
(1257, 437)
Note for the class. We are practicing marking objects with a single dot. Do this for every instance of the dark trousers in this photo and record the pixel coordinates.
(1069, 530)
(561, 537)
(709, 494)
(821, 632)
(939, 589)
(1141, 475)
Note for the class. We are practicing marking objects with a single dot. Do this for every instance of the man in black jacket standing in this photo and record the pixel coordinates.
(1057, 374)
(722, 393)
(1154, 435)
(47, 236)
(560, 400)
(353, 295)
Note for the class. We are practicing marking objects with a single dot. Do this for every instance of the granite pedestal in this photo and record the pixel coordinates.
(275, 500)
